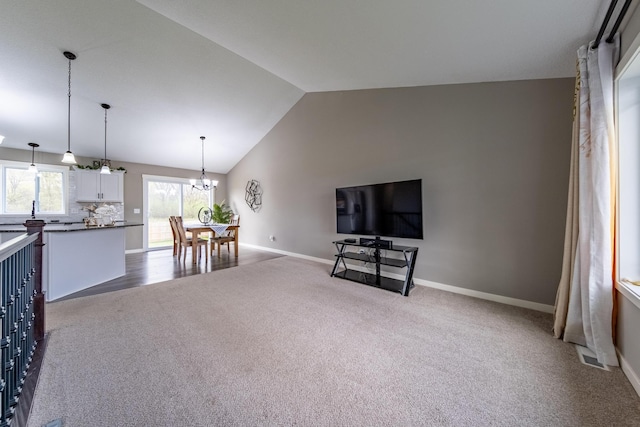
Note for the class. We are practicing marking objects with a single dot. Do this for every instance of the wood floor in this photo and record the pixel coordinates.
(160, 265)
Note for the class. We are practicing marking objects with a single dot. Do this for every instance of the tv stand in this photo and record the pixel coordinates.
(375, 254)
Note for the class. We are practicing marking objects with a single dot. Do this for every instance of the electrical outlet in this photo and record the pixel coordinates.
(136, 210)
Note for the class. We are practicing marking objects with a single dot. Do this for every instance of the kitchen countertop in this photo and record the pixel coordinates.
(64, 227)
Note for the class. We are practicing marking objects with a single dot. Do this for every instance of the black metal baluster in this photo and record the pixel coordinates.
(17, 353)
(22, 331)
(19, 281)
(8, 351)
(3, 342)
(15, 329)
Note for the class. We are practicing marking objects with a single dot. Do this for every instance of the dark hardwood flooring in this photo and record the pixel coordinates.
(160, 265)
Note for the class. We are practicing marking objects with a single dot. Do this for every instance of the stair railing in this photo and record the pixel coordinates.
(21, 313)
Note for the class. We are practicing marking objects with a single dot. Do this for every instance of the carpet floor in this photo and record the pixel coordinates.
(280, 342)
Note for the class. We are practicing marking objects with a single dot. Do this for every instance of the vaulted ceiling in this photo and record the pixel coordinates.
(230, 70)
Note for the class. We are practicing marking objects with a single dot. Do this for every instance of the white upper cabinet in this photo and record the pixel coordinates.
(92, 186)
(111, 187)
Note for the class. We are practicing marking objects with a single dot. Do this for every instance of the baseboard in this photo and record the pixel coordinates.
(293, 254)
(134, 251)
(633, 377)
(545, 308)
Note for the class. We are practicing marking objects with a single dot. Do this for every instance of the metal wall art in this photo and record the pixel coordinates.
(253, 195)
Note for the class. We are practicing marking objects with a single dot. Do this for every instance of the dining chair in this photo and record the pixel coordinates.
(176, 236)
(186, 242)
(226, 237)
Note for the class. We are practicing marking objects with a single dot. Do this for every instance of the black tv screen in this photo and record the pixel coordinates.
(392, 209)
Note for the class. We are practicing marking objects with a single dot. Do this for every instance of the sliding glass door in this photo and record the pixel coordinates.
(164, 197)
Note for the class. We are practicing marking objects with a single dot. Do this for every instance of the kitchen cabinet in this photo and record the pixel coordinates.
(92, 186)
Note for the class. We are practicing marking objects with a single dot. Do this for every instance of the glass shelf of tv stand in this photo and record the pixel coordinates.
(374, 255)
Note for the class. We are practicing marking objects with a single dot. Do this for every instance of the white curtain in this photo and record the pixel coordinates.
(590, 307)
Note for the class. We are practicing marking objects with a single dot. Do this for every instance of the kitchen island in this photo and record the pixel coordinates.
(76, 257)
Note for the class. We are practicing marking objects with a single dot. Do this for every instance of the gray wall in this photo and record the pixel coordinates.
(627, 339)
(494, 164)
(631, 28)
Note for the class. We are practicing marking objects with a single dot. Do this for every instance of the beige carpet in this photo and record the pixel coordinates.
(281, 343)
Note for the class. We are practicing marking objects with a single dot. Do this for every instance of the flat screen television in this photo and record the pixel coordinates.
(392, 209)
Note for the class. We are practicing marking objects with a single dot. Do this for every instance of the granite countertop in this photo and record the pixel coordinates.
(66, 226)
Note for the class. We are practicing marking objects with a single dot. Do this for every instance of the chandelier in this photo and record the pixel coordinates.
(204, 183)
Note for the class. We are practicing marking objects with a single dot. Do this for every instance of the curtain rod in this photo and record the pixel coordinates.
(616, 25)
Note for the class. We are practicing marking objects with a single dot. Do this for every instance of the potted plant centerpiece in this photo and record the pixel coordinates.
(222, 213)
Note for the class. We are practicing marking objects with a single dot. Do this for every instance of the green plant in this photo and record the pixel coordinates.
(222, 213)
(97, 165)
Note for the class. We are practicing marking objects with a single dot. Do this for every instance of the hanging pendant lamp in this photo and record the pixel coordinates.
(68, 156)
(204, 183)
(32, 166)
(106, 167)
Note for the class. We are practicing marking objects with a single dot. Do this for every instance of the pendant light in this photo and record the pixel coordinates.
(204, 183)
(32, 166)
(68, 156)
(105, 169)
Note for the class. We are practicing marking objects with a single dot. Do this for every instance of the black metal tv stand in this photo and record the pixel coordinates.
(374, 253)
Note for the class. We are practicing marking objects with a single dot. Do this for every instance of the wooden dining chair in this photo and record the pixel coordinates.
(226, 237)
(176, 236)
(186, 242)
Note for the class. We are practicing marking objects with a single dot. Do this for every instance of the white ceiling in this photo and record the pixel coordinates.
(230, 70)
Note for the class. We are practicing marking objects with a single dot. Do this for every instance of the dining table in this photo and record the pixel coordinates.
(196, 229)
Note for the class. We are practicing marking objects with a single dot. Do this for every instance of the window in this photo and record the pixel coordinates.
(21, 188)
(170, 196)
(628, 236)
